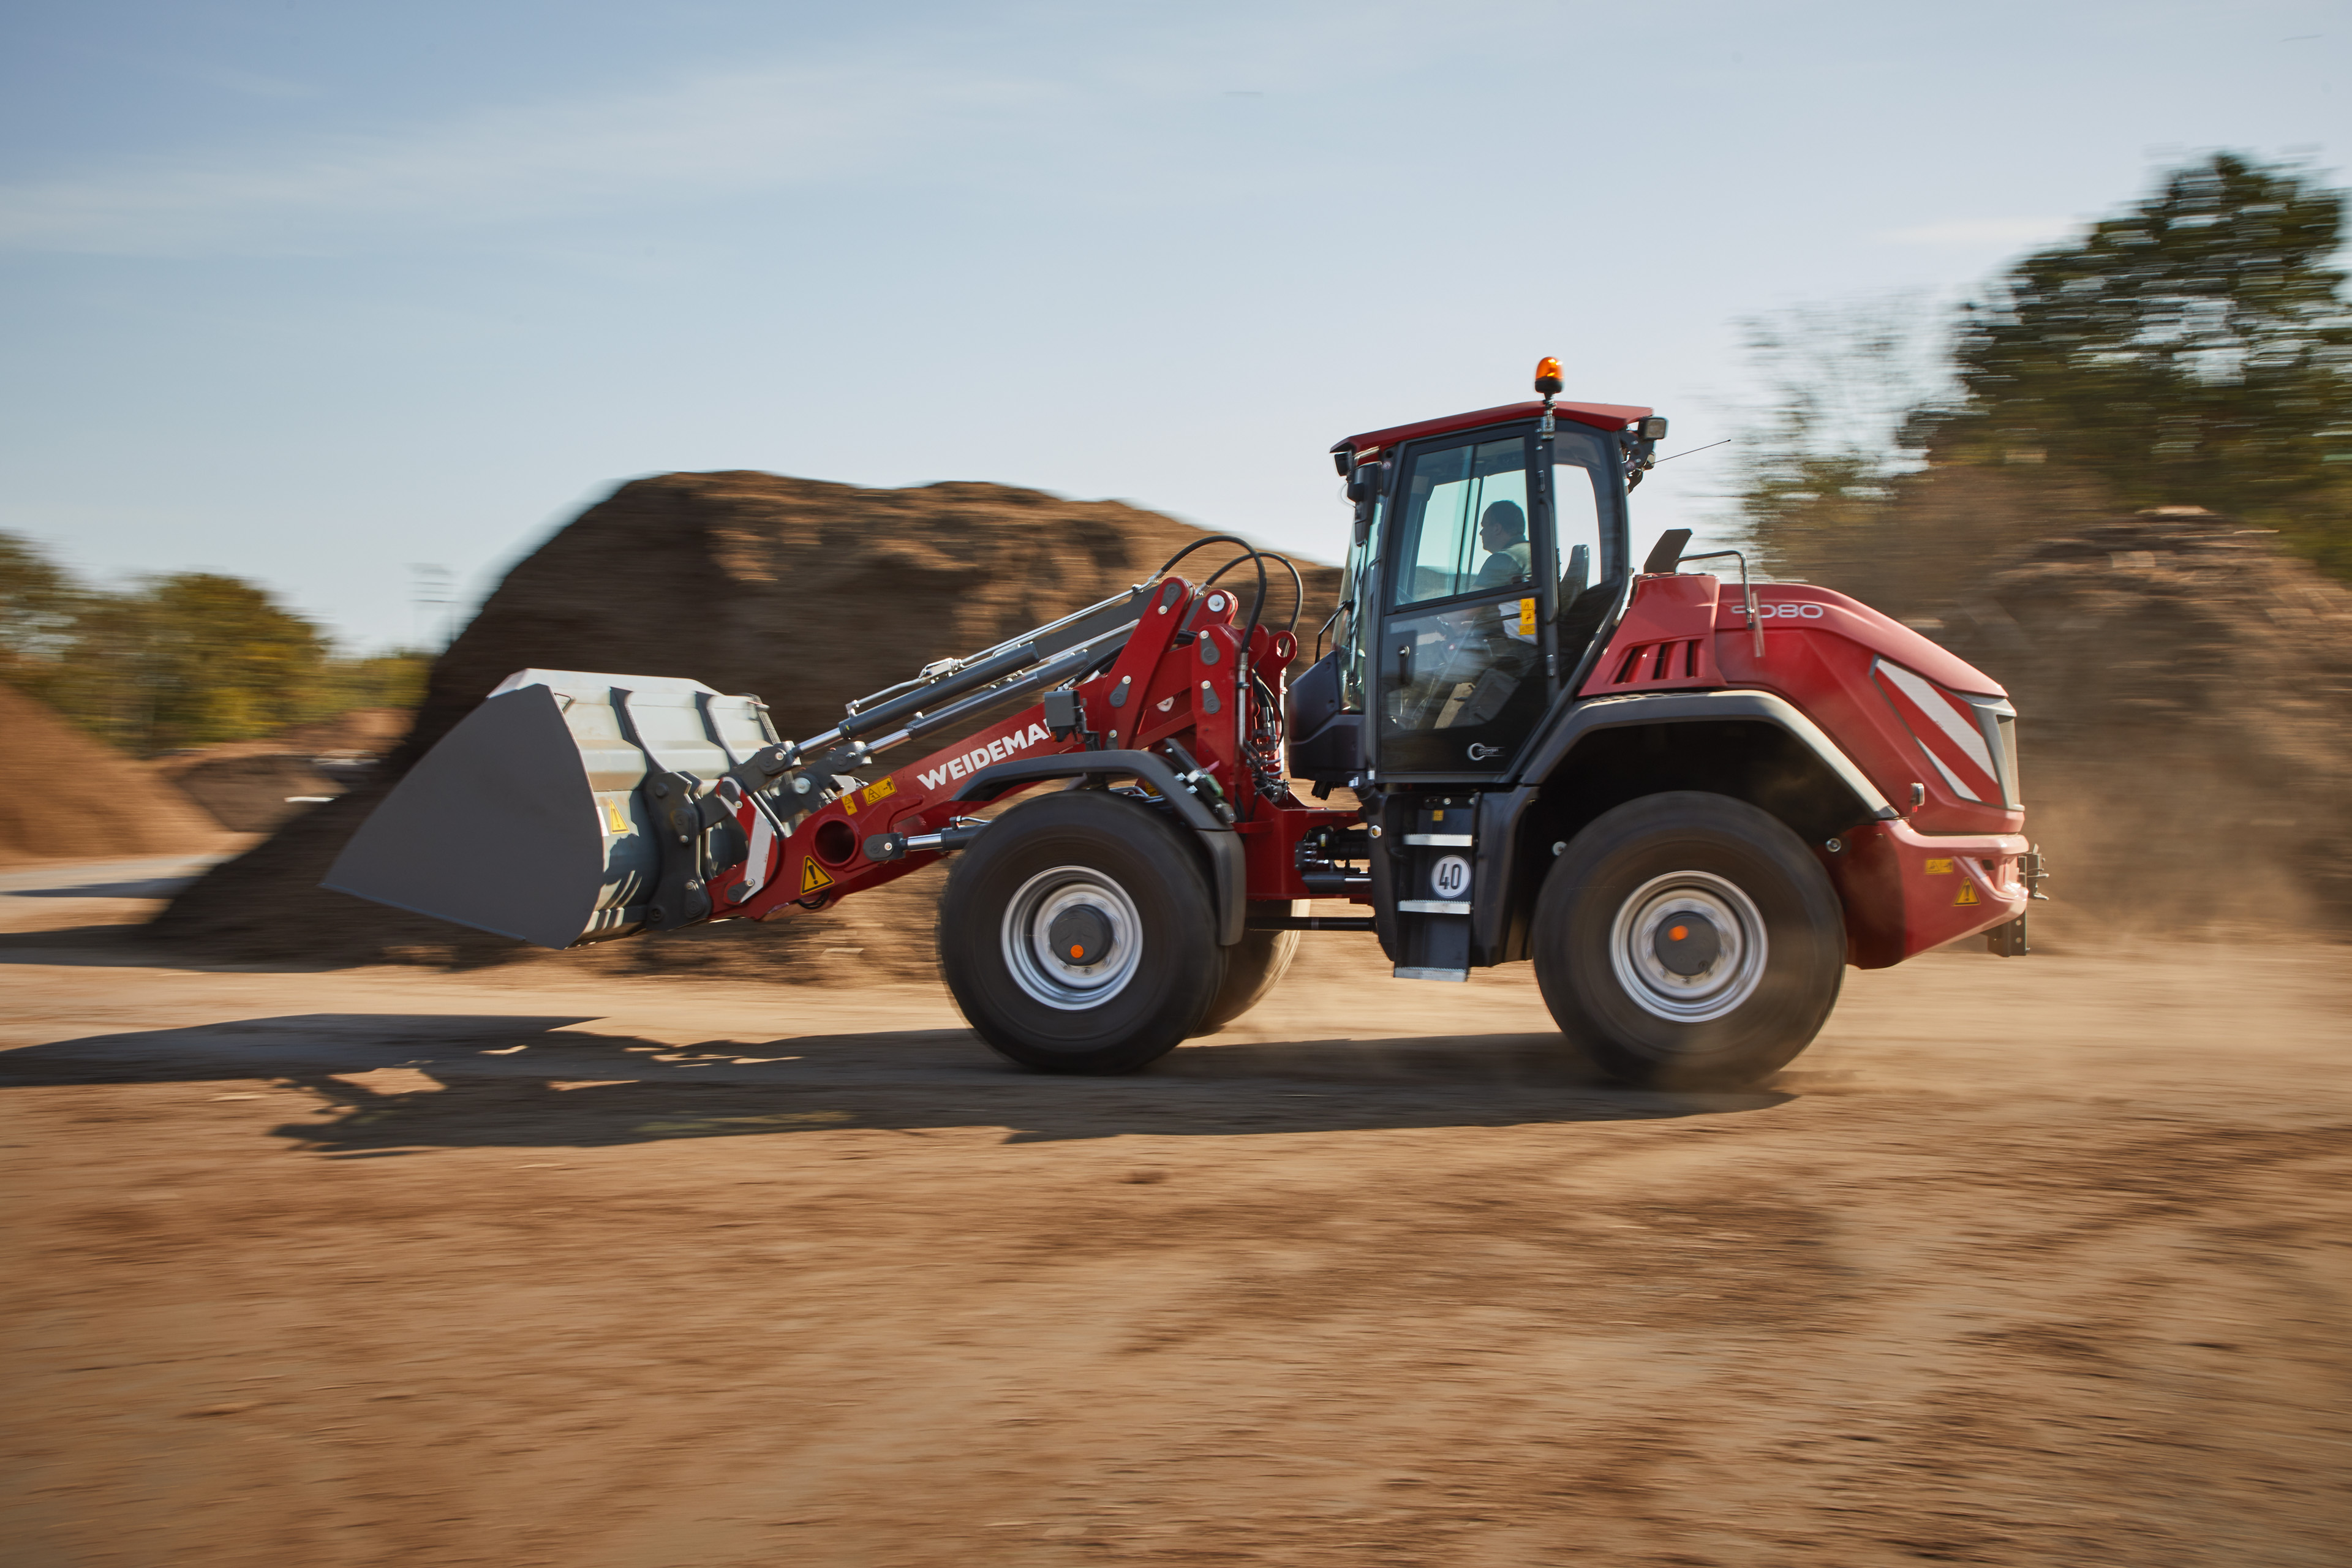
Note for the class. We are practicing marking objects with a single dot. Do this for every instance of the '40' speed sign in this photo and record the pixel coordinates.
(1450, 878)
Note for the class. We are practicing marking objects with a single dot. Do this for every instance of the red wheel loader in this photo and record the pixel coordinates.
(1689, 799)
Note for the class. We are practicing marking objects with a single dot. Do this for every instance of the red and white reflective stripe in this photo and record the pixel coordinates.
(1948, 730)
(760, 830)
(763, 843)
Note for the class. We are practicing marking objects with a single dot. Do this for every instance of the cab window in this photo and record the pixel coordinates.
(1577, 478)
(1464, 523)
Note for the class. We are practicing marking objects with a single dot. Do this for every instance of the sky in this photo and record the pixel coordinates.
(324, 294)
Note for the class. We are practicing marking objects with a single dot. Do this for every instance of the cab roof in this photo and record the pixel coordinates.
(1600, 415)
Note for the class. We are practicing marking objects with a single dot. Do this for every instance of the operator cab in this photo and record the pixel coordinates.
(1454, 642)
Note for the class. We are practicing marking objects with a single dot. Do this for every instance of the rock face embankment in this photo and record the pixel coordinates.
(805, 593)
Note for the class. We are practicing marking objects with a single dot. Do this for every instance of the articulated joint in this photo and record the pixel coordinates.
(1318, 861)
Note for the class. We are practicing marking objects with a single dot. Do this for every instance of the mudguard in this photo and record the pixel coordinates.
(1689, 707)
(1228, 872)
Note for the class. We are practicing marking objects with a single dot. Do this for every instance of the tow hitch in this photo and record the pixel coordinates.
(2009, 941)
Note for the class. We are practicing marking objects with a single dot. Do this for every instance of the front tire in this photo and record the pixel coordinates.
(1689, 941)
(1077, 935)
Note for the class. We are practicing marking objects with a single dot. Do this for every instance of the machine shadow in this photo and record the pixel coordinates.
(542, 1082)
(130, 945)
(144, 888)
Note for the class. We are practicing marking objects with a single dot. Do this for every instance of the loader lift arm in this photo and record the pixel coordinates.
(1187, 706)
(573, 808)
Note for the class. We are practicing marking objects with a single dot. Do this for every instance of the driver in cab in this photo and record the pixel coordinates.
(1503, 530)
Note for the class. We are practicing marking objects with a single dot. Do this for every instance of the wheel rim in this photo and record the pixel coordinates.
(1688, 946)
(1067, 908)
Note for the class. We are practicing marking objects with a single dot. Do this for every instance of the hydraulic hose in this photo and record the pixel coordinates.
(1255, 555)
(1170, 565)
(1298, 583)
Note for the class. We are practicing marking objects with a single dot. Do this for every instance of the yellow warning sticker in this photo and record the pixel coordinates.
(615, 819)
(1939, 867)
(1527, 617)
(1967, 895)
(849, 802)
(882, 790)
(813, 876)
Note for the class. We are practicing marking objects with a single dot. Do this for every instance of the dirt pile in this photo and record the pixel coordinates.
(1947, 526)
(2184, 692)
(65, 796)
(806, 593)
(247, 786)
(253, 786)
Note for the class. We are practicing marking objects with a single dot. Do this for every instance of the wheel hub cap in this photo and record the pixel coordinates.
(1688, 946)
(1072, 939)
(1081, 934)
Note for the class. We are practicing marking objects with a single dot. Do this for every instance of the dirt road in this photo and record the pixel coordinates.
(2036, 1262)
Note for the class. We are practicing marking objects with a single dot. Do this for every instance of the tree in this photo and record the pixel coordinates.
(2196, 351)
(37, 603)
(1817, 473)
(190, 659)
(183, 660)
(393, 680)
(1830, 489)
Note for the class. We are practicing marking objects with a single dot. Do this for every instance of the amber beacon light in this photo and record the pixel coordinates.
(1548, 381)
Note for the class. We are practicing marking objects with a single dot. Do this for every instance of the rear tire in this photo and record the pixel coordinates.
(1252, 965)
(1689, 941)
(1078, 934)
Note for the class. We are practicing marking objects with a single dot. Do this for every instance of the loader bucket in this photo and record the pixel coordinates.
(526, 820)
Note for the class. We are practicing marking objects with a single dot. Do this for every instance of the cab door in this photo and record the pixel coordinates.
(1458, 671)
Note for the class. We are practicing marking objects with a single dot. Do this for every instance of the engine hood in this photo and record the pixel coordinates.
(1924, 725)
(1803, 606)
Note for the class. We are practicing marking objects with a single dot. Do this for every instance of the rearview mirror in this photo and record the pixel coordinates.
(1364, 490)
